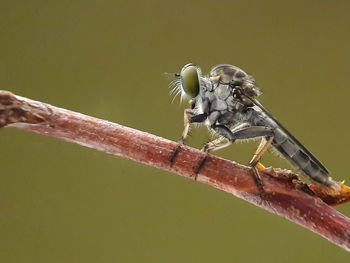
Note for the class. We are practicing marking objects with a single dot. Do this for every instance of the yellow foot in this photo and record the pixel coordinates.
(260, 166)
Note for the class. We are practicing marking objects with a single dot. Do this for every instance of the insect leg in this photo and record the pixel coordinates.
(255, 163)
(231, 136)
(226, 133)
(247, 133)
(187, 123)
(252, 132)
(264, 145)
(216, 145)
(209, 147)
(244, 133)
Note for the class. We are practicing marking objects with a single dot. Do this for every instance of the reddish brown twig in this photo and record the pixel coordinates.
(285, 195)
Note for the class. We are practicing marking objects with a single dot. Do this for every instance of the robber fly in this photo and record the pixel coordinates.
(225, 101)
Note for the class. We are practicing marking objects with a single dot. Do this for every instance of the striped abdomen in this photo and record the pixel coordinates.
(291, 148)
(299, 156)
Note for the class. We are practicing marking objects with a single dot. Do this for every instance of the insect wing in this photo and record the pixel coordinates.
(226, 73)
(291, 137)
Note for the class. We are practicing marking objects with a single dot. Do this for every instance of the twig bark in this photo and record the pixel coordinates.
(285, 195)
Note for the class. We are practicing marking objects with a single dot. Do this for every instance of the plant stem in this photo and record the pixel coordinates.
(285, 195)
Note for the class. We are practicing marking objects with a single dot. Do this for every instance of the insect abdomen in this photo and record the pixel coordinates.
(293, 151)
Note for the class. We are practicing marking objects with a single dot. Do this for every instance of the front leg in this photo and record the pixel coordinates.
(187, 122)
(187, 113)
(199, 118)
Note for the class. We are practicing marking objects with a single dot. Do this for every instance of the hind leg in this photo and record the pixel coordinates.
(255, 162)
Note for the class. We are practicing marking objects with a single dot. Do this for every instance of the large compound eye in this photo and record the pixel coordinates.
(190, 80)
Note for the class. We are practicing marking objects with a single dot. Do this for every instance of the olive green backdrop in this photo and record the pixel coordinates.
(61, 202)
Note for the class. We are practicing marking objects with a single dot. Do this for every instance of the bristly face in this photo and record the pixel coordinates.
(189, 84)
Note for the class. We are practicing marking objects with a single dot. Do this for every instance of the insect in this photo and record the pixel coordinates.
(225, 101)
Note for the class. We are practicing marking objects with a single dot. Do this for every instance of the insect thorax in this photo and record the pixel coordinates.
(222, 103)
(224, 96)
(235, 77)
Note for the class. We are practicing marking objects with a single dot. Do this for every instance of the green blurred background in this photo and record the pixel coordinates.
(61, 202)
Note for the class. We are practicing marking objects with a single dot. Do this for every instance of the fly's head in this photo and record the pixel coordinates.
(187, 83)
